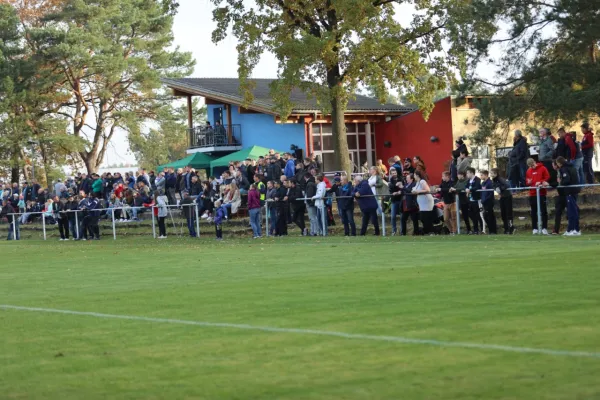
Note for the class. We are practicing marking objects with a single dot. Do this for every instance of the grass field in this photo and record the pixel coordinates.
(374, 295)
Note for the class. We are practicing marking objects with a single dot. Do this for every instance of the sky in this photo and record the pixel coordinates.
(192, 31)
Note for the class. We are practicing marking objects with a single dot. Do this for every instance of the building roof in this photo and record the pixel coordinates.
(228, 90)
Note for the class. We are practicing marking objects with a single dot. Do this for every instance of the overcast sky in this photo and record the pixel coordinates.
(193, 27)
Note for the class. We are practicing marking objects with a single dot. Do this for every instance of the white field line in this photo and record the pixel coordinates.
(356, 336)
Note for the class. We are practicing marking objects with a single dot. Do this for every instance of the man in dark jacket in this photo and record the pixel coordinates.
(367, 203)
(171, 185)
(396, 198)
(568, 176)
(298, 206)
(274, 170)
(474, 196)
(501, 186)
(189, 213)
(195, 188)
(587, 148)
(345, 202)
(487, 202)
(565, 147)
(518, 160)
(8, 209)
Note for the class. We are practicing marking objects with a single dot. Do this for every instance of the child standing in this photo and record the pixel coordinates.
(220, 213)
(501, 186)
(449, 202)
(487, 202)
(161, 207)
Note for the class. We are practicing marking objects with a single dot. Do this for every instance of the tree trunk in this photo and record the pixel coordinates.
(338, 109)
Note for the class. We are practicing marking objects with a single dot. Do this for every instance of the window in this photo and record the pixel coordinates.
(327, 142)
(350, 128)
(362, 128)
(480, 152)
(325, 128)
(362, 142)
(328, 162)
(317, 142)
(352, 142)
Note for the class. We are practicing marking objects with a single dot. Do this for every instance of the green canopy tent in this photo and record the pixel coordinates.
(251, 152)
(196, 161)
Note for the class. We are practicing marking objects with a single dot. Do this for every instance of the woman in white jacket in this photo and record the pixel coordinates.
(161, 204)
(233, 199)
(319, 199)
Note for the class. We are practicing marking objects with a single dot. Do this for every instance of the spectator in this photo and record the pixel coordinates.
(425, 201)
(460, 148)
(161, 202)
(449, 201)
(407, 167)
(378, 188)
(587, 147)
(394, 186)
(187, 207)
(576, 161)
(311, 191)
(233, 200)
(487, 202)
(27, 192)
(502, 188)
(319, 198)
(254, 211)
(568, 176)
(152, 179)
(180, 181)
(91, 208)
(97, 186)
(171, 185)
(383, 171)
(206, 201)
(517, 160)
(290, 165)
(274, 170)
(546, 153)
(220, 215)
(48, 212)
(281, 204)
(72, 207)
(420, 166)
(396, 163)
(195, 188)
(59, 188)
(114, 203)
(367, 203)
(5, 213)
(271, 207)
(464, 162)
(474, 196)
(62, 208)
(565, 147)
(242, 182)
(261, 187)
(538, 176)
(298, 206)
(159, 183)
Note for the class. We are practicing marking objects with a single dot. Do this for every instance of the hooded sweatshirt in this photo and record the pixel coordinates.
(537, 174)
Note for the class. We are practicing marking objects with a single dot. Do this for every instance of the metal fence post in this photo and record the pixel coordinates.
(77, 225)
(539, 209)
(112, 210)
(457, 214)
(14, 228)
(197, 221)
(44, 224)
(153, 227)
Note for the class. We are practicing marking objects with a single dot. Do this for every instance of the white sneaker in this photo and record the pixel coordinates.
(204, 216)
(544, 231)
(575, 233)
(535, 231)
(209, 219)
(567, 233)
(162, 237)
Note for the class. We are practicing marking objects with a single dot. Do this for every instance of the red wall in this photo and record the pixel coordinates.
(410, 135)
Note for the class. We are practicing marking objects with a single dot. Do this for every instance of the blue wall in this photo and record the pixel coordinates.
(261, 130)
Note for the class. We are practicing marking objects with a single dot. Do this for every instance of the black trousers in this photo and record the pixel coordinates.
(281, 227)
(372, 216)
(219, 231)
(162, 230)
(63, 228)
(553, 174)
(506, 212)
(475, 216)
(464, 211)
(534, 212)
(298, 218)
(427, 221)
(560, 205)
(490, 217)
(90, 227)
(414, 217)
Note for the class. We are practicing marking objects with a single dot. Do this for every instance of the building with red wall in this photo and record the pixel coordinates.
(410, 135)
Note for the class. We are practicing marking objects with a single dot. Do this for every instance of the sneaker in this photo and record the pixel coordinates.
(209, 219)
(567, 233)
(162, 237)
(204, 216)
(535, 232)
(575, 233)
(555, 233)
(544, 231)
(393, 233)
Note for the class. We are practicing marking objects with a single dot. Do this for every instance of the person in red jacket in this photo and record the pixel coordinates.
(587, 148)
(537, 175)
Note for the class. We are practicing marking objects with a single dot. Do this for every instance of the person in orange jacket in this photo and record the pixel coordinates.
(537, 175)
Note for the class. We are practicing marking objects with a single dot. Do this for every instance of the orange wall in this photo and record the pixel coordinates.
(410, 136)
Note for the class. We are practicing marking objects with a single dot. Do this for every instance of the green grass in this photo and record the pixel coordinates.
(513, 291)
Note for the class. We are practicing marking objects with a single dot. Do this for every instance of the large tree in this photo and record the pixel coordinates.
(328, 47)
(549, 70)
(108, 56)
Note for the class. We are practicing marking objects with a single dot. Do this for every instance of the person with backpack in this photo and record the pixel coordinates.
(568, 176)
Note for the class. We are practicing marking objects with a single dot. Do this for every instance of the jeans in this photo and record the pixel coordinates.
(395, 211)
(588, 168)
(73, 228)
(372, 216)
(12, 229)
(523, 170)
(348, 221)
(272, 220)
(572, 213)
(578, 164)
(534, 211)
(314, 220)
(322, 220)
(560, 204)
(255, 221)
(191, 224)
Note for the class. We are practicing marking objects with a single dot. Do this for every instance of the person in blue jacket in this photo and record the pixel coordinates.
(290, 166)
(220, 214)
(367, 203)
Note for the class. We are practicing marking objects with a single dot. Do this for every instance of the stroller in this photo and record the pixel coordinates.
(438, 217)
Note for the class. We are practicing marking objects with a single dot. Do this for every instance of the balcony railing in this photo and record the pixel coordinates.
(215, 136)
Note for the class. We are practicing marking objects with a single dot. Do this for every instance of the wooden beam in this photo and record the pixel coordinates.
(208, 100)
(229, 124)
(243, 110)
(190, 116)
(179, 93)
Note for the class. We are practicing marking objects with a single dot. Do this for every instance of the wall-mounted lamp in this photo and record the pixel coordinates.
(434, 139)
(387, 144)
